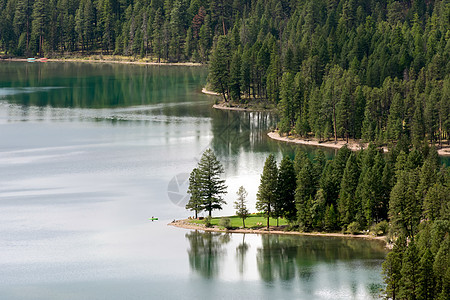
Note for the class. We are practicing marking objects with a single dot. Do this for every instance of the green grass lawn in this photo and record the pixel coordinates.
(250, 222)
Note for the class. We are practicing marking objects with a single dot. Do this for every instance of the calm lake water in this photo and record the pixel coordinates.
(88, 152)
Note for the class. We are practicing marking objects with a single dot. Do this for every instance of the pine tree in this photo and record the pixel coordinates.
(210, 169)
(426, 282)
(158, 34)
(286, 185)
(392, 267)
(347, 207)
(219, 72)
(22, 19)
(404, 211)
(195, 189)
(409, 282)
(40, 23)
(240, 205)
(235, 76)
(306, 189)
(106, 21)
(266, 195)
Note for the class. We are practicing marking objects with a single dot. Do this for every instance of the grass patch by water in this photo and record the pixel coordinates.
(253, 221)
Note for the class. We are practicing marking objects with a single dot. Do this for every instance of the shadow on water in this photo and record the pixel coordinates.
(206, 250)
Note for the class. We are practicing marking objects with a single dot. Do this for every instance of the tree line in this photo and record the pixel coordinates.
(404, 193)
(375, 71)
(169, 30)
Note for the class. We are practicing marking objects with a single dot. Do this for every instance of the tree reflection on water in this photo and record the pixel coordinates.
(205, 251)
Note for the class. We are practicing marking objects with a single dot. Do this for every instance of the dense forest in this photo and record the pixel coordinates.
(373, 70)
(370, 70)
(404, 194)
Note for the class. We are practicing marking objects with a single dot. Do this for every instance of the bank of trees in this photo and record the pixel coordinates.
(349, 69)
(404, 193)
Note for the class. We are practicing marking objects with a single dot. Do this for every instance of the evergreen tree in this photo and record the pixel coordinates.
(267, 191)
(195, 189)
(210, 169)
(286, 185)
(40, 24)
(426, 282)
(404, 211)
(235, 76)
(306, 189)
(240, 205)
(219, 73)
(347, 207)
(409, 283)
(392, 267)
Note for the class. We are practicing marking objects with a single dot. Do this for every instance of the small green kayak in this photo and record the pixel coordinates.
(153, 219)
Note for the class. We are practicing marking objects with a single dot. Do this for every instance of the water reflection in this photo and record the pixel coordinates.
(237, 131)
(205, 252)
(276, 258)
(241, 253)
(84, 85)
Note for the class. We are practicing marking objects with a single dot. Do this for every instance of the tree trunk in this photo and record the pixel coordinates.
(243, 222)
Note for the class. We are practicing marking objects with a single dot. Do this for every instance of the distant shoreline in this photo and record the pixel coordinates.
(185, 224)
(114, 61)
(354, 146)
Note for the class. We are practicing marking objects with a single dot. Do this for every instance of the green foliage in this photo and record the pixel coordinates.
(286, 185)
(225, 222)
(207, 221)
(240, 205)
(205, 186)
(266, 195)
(195, 190)
(353, 228)
(380, 228)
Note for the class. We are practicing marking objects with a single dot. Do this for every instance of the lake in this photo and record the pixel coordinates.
(89, 152)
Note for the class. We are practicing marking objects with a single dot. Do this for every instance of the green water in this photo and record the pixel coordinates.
(90, 152)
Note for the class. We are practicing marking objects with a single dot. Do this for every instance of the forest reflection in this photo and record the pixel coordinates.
(283, 257)
(280, 257)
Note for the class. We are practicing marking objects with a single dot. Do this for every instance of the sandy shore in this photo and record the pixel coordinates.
(239, 107)
(354, 146)
(208, 92)
(313, 142)
(128, 62)
(274, 230)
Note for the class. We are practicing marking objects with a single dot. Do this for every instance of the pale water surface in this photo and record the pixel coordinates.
(88, 152)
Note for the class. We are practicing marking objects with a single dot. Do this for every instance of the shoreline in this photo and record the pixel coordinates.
(113, 61)
(238, 107)
(354, 146)
(185, 224)
(223, 106)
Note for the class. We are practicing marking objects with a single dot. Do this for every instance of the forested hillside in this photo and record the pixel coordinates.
(370, 70)
(373, 70)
